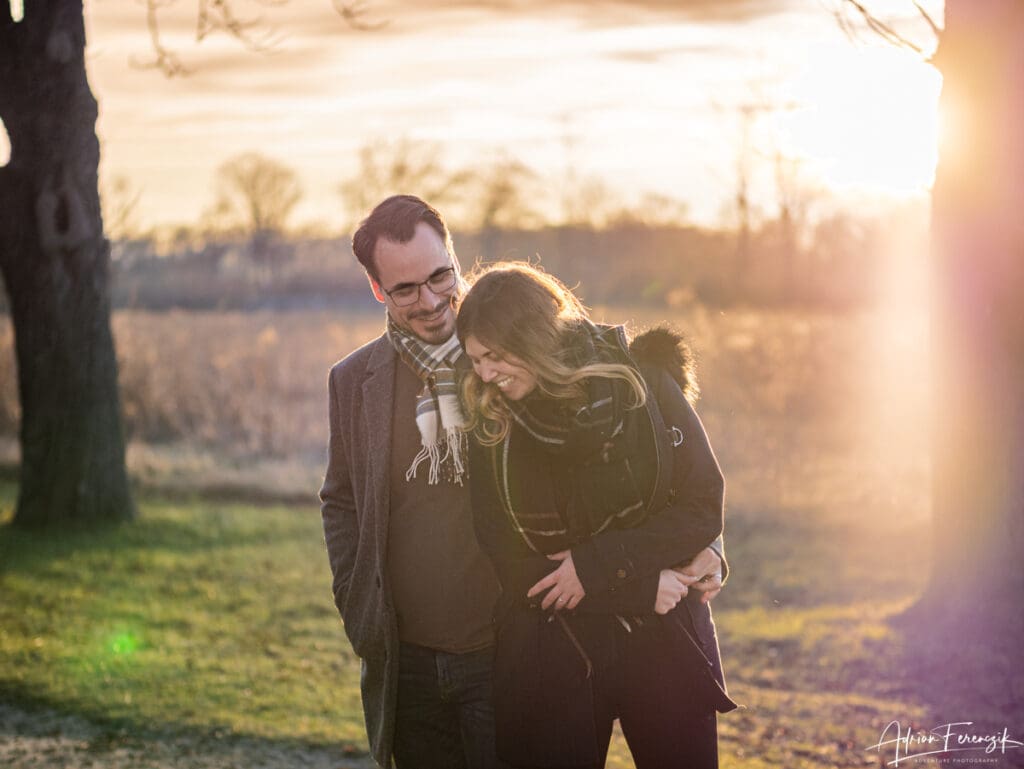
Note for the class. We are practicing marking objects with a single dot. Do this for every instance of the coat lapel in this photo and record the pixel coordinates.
(378, 411)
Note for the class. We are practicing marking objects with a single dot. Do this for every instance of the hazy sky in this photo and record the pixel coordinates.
(643, 95)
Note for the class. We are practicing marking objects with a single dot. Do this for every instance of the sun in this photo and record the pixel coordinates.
(867, 119)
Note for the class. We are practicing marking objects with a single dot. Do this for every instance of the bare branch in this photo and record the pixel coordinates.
(353, 14)
(217, 15)
(935, 28)
(119, 200)
(163, 59)
(884, 30)
(211, 16)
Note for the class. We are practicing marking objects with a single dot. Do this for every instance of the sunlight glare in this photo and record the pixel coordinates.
(870, 119)
(5, 145)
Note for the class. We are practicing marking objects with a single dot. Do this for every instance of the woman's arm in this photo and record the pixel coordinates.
(517, 567)
(615, 559)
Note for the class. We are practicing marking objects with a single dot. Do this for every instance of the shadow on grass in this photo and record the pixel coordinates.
(97, 732)
(966, 664)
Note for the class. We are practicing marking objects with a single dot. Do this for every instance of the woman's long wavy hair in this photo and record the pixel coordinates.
(521, 312)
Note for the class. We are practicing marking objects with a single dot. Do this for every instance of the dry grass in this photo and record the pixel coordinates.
(816, 415)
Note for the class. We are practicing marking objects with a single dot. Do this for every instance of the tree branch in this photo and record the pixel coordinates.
(353, 14)
(164, 59)
(935, 28)
(884, 30)
(219, 15)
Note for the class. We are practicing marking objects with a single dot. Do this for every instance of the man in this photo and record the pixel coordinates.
(412, 586)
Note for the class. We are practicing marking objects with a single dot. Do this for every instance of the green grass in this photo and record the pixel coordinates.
(207, 616)
(213, 618)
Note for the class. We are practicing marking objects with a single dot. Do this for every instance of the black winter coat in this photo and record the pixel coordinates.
(544, 669)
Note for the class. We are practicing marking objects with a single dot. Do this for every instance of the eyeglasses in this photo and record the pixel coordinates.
(440, 282)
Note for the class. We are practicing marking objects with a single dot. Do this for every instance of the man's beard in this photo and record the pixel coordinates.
(421, 314)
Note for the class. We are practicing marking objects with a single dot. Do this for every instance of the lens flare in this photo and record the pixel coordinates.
(124, 644)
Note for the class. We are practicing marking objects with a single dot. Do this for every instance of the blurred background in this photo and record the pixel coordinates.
(756, 173)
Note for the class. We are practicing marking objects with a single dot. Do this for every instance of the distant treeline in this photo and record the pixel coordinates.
(666, 265)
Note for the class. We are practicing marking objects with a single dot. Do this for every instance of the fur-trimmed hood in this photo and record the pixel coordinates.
(667, 349)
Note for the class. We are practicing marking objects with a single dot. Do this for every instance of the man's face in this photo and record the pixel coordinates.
(430, 316)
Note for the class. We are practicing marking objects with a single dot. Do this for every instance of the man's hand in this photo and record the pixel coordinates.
(671, 590)
(565, 591)
(703, 573)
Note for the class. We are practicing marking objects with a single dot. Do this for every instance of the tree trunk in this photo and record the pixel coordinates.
(964, 634)
(55, 263)
(978, 310)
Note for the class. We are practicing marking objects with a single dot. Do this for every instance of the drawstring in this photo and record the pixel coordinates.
(575, 642)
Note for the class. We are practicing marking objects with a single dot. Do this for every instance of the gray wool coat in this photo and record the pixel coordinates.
(355, 502)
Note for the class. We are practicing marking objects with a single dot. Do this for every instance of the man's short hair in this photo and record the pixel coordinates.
(395, 219)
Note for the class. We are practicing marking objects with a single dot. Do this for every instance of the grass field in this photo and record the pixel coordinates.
(210, 622)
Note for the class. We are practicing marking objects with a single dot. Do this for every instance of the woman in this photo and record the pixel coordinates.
(586, 456)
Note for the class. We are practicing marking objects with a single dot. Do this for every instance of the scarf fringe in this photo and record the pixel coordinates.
(455, 445)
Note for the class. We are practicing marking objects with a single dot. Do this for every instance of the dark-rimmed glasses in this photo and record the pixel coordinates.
(439, 283)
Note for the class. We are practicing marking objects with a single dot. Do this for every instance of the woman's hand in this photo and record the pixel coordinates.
(671, 590)
(704, 573)
(566, 590)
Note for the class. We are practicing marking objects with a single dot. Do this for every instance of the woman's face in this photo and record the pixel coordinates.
(502, 370)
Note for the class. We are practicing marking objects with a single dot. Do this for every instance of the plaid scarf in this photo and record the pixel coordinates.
(580, 428)
(590, 453)
(439, 414)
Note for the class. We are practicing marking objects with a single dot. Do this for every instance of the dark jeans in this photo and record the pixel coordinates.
(445, 718)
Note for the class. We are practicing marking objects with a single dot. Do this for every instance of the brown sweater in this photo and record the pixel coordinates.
(443, 587)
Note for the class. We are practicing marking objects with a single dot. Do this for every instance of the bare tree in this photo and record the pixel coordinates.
(504, 192)
(795, 198)
(395, 167)
(256, 195)
(749, 113)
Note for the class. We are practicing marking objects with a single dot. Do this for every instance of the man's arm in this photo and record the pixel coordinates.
(653, 592)
(337, 502)
(705, 573)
